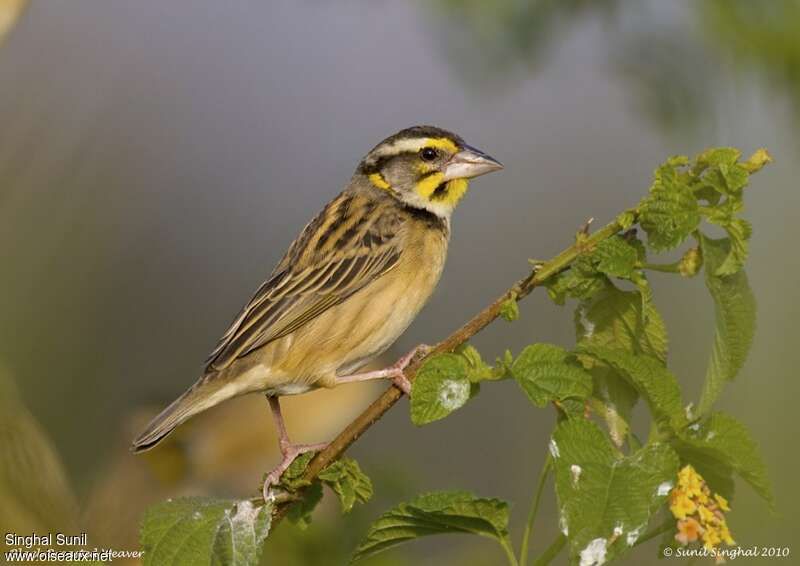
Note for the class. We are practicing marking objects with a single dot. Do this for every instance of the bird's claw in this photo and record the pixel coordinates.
(402, 383)
(421, 350)
(290, 453)
(399, 379)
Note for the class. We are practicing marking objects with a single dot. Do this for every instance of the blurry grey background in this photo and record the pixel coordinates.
(157, 158)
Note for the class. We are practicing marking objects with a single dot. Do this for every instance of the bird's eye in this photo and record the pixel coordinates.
(428, 154)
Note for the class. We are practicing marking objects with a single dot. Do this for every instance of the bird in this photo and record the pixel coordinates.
(346, 289)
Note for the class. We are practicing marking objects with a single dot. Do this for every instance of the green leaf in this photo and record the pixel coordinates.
(626, 219)
(348, 481)
(502, 366)
(615, 256)
(724, 213)
(654, 382)
(477, 369)
(720, 443)
(509, 310)
(300, 511)
(670, 213)
(739, 232)
(580, 281)
(720, 168)
(436, 513)
(605, 500)
(716, 156)
(291, 478)
(442, 385)
(548, 373)
(199, 531)
(735, 177)
(615, 399)
(618, 319)
(621, 319)
(735, 320)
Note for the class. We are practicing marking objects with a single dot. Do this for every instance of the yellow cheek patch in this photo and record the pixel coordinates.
(378, 180)
(441, 143)
(428, 184)
(456, 189)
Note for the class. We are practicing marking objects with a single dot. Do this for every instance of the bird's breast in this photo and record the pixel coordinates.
(388, 306)
(363, 326)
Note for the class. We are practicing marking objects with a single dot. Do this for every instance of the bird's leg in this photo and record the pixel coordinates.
(290, 451)
(395, 372)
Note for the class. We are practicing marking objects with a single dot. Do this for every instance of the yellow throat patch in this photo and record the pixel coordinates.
(453, 191)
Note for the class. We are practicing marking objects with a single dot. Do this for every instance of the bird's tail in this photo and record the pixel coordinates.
(201, 396)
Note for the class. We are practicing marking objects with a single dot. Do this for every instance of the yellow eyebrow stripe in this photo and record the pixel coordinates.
(441, 143)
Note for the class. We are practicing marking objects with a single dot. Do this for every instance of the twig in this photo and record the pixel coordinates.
(382, 404)
(551, 551)
(523, 553)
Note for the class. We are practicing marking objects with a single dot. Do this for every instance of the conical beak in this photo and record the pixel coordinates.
(468, 163)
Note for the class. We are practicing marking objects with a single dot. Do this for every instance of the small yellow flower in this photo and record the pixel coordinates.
(681, 504)
(706, 515)
(722, 502)
(711, 538)
(690, 481)
(700, 513)
(689, 530)
(726, 534)
(704, 495)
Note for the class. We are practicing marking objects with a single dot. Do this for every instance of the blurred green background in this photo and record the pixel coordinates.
(157, 158)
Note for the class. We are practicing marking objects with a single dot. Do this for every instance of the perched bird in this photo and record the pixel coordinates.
(346, 289)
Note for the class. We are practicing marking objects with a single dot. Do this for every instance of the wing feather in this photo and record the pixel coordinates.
(323, 267)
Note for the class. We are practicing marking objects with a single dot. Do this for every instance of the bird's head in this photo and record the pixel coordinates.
(425, 167)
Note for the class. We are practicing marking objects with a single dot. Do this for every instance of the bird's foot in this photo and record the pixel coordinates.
(395, 372)
(290, 453)
(421, 350)
(399, 378)
(400, 381)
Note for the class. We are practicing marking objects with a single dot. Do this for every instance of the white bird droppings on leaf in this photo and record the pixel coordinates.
(554, 449)
(663, 488)
(616, 431)
(562, 523)
(453, 393)
(197, 516)
(595, 553)
(618, 530)
(633, 535)
(588, 325)
(246, 513)
(695, 427)
(576, 471)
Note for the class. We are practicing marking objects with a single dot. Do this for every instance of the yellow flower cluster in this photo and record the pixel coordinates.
(700, 515)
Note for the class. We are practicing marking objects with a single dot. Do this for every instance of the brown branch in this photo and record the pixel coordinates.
(382, 404)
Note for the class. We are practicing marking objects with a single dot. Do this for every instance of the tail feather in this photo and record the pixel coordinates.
(198, 398)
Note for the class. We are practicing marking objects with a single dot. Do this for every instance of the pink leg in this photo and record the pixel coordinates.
(290, 451)
(394, 372)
